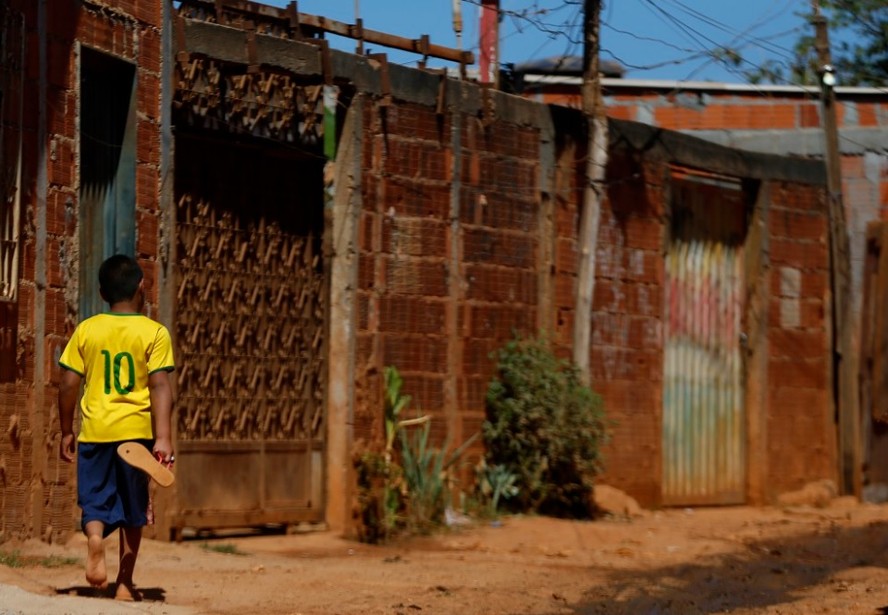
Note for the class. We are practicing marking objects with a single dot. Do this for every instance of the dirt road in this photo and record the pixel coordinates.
(729, 560)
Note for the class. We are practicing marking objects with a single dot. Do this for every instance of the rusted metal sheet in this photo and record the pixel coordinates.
(251, 302)
(703, 396)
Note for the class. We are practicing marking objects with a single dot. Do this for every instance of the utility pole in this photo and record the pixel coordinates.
(843, 323)
(593, 192)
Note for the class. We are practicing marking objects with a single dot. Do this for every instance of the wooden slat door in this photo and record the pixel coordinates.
(251, 305)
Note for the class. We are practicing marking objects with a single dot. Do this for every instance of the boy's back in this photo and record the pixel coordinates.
(125, 359)
(116, 353)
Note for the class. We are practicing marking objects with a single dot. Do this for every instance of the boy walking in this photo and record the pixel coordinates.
(125, 359)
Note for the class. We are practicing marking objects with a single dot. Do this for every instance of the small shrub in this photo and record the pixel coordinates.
(405, 486)
(545, 427)
(427, 477)
(493, 484)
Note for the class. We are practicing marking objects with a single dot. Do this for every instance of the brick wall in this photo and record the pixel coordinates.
(442, 284)
(447, 273)
(799, 427)
(38, 494)
(627, 336)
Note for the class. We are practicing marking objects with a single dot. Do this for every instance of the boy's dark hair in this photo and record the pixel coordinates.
(119, 278)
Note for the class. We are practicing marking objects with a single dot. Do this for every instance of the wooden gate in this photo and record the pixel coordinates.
(249, 334)
(703, 388)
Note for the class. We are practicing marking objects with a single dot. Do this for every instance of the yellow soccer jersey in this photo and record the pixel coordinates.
(115, 353)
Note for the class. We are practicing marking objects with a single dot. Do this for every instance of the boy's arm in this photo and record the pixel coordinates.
(69, 390)
(161, 406)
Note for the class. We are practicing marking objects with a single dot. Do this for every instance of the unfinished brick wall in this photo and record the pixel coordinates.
(38, 497)
(627, 347)
(800, 429)
(627, 336)
(448, 266)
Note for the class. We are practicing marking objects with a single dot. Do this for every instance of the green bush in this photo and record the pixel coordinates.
(545, 427)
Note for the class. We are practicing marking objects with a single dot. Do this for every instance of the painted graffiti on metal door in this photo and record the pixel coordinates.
(703, 398)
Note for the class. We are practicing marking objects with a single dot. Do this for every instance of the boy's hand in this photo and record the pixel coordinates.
(66, 448)
(163, 450)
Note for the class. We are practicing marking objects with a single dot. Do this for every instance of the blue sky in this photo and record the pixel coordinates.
(652, 39)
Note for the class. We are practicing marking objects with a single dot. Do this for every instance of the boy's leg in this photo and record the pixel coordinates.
(130, 539)
(96, 573)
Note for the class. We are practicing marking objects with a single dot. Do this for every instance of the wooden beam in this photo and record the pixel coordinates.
(285, 17)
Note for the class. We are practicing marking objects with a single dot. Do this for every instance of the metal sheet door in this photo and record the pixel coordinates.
(703, 397)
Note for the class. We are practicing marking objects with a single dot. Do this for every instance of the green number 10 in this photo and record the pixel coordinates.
(131, 372)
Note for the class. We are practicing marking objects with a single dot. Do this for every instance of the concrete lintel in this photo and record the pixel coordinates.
(805, 142)
(228, 44)
(692, 151)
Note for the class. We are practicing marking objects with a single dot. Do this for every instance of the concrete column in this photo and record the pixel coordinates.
(343, 225)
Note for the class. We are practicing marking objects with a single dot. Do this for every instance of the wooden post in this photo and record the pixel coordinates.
(844, 359)
(596, 161)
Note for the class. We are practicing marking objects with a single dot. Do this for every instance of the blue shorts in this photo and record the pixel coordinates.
(109, 489)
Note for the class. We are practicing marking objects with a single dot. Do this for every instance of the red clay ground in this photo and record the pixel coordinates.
(729, 560)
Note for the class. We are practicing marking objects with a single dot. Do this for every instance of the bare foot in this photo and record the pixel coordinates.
(127, 592)
(96, 574)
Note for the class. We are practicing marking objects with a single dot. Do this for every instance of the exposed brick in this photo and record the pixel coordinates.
(565, 291)
(55, 212)
(62, 113)
(425, 353)
(148, 142)
(148, 11)
(149, 50)
(797, 343)
(644, 233)
(798, 225)
(366, 271)
(501, 321)
(148, 96)
(416, 199)
(415, 277)
(411, 315)
(804, 254)
(493, 283)
(798, 372)
(502, 248)
(476, 356)
(644, 299)
(414, 236)
(147, 187)
(809, 115)
(61, 162)
(147, 234)
(59, 66)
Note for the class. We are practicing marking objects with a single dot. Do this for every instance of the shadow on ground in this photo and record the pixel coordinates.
(149, 594)
(765, 573)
